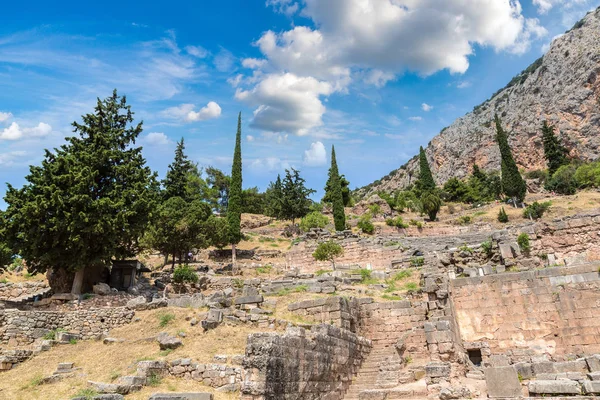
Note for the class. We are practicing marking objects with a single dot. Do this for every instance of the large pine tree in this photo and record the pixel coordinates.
(234, 207)
(513, 184)
(554, 152)
(89, 202)
(333, 191)
(175, 182)
(427, 183)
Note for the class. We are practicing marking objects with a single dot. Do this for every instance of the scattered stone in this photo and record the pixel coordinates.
(455, 393)
(561, 386)
(167, 341)
(101, 289)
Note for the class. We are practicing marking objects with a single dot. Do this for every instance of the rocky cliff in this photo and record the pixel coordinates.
(562, 87)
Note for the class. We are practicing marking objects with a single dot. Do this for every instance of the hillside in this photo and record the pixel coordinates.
(562, 87)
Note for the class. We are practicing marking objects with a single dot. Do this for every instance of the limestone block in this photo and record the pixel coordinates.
(437, 370)
(595, 376)
(502, 382)
(181, 396)
(248, 300)
(561, 386)
(593, 363)
(591, 387)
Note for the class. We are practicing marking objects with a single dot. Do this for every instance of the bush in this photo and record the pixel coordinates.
(365, 224)
(184, 274)
(455, 190)
(313, 220)
(536, 210)
(374, 209)
(487, 248)
(540, 174)
(165, 318)
(397, 222)
(328, 251)
(431, 205)
(464, 220)
(502, 216)
(523, 242)
(417, 261)
(563, 181)
(588, 175)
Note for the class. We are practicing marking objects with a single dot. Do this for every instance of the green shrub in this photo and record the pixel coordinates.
(365, 224)
(417, 261)
(322, 272)
(397, 222)
(154, 379)
(536, 210)
(365, 275)
(264, 270)
(431, 205)
(416, 223)
(313, 220)
(502, 216)
(165, 318)
(184, 274)
(328, 251)
(411, 287)
(464, 220)
(563, 181)
(487, 248)
(523, 242)
(540, 174)
(588, 175)
(374, 209)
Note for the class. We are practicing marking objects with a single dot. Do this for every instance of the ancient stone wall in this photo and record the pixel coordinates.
(23, 327)
(552, 311)
(337, 311)
(308, 365)
(23, 290)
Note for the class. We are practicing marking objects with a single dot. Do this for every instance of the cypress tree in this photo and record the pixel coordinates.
(175, 182)
(554, 152)
(235, 193)
(273, 199)
(426, 178)
(513, 184)
(337, 199)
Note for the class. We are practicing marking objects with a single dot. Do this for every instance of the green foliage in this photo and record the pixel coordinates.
(416, 223)
(417, 261)
(406, 273)
(6, 254)
(588, 175)
(274, 199)
(502, 216)
(87, 393)
(375, 209)
(328, 251)
(322, 272)
(217, 231)
(540, 174)
(411, 287)
(334, 194)
(523, 242)
(165, 318)
(90, 201)
(87, 296)
(218, 185)
(313, 220)
(176, 180)
(513, 184)
(294, 201)
(294, 289)
(267, 269)
(52, 334)
(72, 341)
(365, 224)
(563, 181)
(234, 206)
(464, 220)
(554, 152)
(431, 204)
(455, 190)
(465, 248)
(153, 380)
(536, 210)
(425, 176)
(487, 248)
(391, 297)
(397, 222)
(253, 202)
(184, 274)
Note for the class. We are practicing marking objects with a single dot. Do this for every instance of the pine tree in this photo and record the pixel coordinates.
(513, 184)
(426, 178)
(89, 202)
(234, 206)
(554, 152)
(295, 201)
(175, 182)
(273, 199)
(333, 190)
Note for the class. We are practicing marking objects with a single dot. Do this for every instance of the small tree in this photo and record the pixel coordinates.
(365, 224)
(313, 220)
(563, 180)
(328, 251)
(431, 204)
(536, 210)
(295, 201)
(6, 254)
(554, 152)
(184, 274)
(425, 177)
(502, 216)
(513, 184)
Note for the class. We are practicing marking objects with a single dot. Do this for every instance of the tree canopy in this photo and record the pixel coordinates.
(90, 200)
(513, 184)
(425, 176)
(176, 181)
(554, 152)
(333, 192)
(295, 201)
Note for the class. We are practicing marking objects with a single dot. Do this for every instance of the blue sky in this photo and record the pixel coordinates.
(376, 78)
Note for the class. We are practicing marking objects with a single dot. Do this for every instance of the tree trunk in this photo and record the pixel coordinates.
(166, 259)
(173, 263)
(78, 281)
(233, 259)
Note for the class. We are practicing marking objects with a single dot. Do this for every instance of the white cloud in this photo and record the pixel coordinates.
(463, 84)
(426, 107)
(196, 51)
(416, 118)
(316, 155)
(7, 159)
(185, 112)
(236, 80)
(15, 132)
(224, 61)
(546, 5)
(376, 40)
(269, 164)
(250, 138)
(5, 116)
(286, 102)
(156, 139)
(287, 7)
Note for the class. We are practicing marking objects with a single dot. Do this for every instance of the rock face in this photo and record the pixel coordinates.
(563, 88)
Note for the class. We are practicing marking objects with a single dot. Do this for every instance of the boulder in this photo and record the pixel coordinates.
(102, 289)
(455, 393)
(167, 341)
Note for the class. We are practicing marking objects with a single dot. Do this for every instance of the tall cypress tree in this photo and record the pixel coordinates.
(335, 194)
(513, 184)
(175, 182)
(554, 152)
(235, 193)
(426, 178)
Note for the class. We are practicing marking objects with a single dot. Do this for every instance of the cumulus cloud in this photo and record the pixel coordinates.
(7, 159)
(426, 107)
(287, 7)
(156, 139)
(376, 40)
(286, 102)
(269, 164)
(5, 116)
(316, 155)
(196, 51)
(15, 132)
(546, 5)
(185, 112)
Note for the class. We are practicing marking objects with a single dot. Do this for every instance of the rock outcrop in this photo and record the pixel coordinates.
(562, 87)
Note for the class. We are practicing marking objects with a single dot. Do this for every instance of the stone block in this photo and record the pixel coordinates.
(544, 367)
(591, 387)
(437, 370)
(248, 300)
(561, 386)
(66, 337)
(595, 376)
(571, 366)
(214, 315)
(524, 370)
(181, 396)
(593, 363)
(502, 382)
(498, 360)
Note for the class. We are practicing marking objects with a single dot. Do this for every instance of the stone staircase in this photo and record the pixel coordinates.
(385, 375)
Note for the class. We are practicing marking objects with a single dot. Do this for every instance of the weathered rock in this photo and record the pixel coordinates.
(167, 341)
(102, 289)
(591, 387)
(561, 386)
(455, 393)
(502, 382)
(181, 396)
(437, 370)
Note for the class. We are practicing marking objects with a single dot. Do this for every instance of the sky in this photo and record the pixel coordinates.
(375, 78)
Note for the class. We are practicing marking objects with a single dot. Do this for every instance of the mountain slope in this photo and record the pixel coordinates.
(563, 87)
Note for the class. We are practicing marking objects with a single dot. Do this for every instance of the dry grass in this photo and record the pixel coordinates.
(103, 363)
(22, 277)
